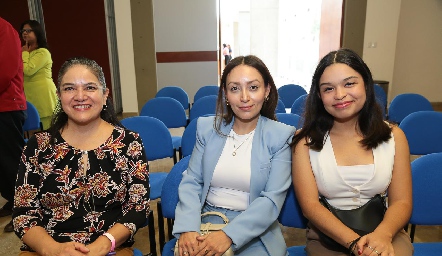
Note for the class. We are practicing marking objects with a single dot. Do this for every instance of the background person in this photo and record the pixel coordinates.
(37, 63)
(83, 185)
(240, 166)
(347, 153)
(226, 54)
(12, 114)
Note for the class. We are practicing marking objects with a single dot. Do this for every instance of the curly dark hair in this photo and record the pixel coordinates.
(38, 31)
(224, 112)
(317, 121)
(60, 118)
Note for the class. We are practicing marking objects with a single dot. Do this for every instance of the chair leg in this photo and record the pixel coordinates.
(161, 235)
(175, 160)
(152, 242)
(412, 231)
(169, 228)
(180, 153)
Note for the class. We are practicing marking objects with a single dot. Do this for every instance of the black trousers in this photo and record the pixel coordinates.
(11, 147)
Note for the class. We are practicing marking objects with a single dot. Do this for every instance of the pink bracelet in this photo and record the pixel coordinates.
(112, 239)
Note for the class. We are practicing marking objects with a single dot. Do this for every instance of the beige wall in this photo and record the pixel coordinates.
(182, 26)
(408, 39)
(354, 25)
(418, 61)
(126, 55)
(381, 25)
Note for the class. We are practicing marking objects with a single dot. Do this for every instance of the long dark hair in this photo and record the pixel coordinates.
(60, 118)
(224, 112)
(317, 121)
(38, 31)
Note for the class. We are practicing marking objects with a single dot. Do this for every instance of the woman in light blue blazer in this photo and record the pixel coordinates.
(240, 166)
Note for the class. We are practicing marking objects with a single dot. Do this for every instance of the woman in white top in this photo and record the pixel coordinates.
(347, 153)
(240, 166)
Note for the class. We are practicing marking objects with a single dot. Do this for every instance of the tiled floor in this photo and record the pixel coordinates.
(9, 243)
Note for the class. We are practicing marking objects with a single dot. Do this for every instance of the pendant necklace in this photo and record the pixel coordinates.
(236, 148)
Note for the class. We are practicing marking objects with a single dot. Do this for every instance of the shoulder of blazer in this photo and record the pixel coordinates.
(275, 132)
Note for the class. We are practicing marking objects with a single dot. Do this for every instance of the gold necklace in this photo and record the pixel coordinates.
(236, 148)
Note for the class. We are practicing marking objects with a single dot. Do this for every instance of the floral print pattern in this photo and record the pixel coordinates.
(53, 192)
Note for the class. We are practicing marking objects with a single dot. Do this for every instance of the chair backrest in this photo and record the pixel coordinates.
(156, 137)
(280, 107)
(380, 95)
(175, 92)
(32, 121)
(189, 138)
(290, 92)
(169, 193)
(290, 119)
(291, 214)
(298, 106)
(166, 109)
(203, 106)
(423, 132)
(206, 91)
(426, 175)
(404, 104)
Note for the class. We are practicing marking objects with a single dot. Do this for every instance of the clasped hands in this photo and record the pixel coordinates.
(75, 249)
(374, 244)
(194, 244)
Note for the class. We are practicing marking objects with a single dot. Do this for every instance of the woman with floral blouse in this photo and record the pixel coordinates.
(83, 185)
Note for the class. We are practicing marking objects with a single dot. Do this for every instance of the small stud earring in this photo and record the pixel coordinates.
(227, 102)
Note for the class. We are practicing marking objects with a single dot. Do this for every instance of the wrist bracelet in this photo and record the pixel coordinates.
(112, 240)
(352, 245)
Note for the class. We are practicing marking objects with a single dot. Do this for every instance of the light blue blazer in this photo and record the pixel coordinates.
(270, 179)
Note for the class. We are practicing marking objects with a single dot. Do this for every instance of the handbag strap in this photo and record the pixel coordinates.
(222, 216)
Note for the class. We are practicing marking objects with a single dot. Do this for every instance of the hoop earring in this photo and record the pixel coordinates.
(266, 99)
(104, 107)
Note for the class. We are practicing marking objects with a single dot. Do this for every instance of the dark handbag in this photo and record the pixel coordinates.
(362, 220)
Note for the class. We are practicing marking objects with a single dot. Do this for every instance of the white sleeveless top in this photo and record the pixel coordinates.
(337, 190)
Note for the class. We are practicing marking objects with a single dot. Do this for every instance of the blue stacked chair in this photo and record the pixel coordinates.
(170, 112)
(280, 107)
(205, 91)
(169, 195)
(204, 106)
(427, 206)
(157, 144)
(290, 92)
(175, 92)
(32, 122)
(290, 119)
(298, 106)
(291, 216)
(404, 104)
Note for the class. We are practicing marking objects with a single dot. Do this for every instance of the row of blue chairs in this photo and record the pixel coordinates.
(182, 97)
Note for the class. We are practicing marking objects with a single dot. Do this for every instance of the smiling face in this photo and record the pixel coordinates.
(246, 92)
(82, 96)
(342, 91)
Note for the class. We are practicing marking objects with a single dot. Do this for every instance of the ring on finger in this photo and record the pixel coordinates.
(371, 248)
(377, 252)
(185, 253)
(206, 251)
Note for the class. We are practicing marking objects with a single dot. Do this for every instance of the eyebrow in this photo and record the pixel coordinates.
(343, 80)
(86, 84)
(249, 82)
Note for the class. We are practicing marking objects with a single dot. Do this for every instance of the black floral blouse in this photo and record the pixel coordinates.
(53, 192)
